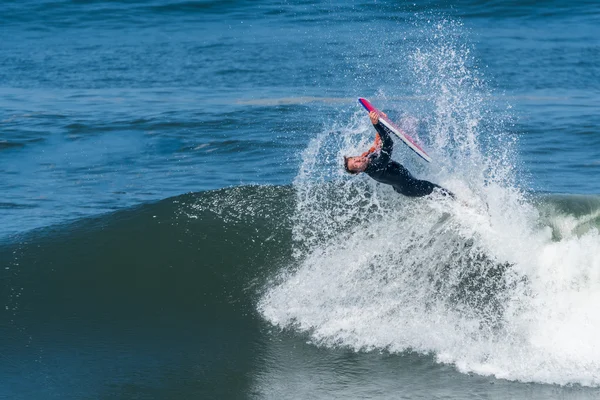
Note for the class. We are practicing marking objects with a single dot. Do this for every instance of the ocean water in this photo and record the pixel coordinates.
(175, 222)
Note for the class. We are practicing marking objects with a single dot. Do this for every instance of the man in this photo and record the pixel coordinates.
(377, 163)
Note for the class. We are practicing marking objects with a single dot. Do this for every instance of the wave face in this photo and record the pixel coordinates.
(157, 301)
(498, 284)
(190, 249)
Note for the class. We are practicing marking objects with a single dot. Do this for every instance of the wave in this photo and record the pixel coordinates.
(166, 289)
(503, 299)
(241, 236)
(500, 282)
(192, 254)
(414, 277)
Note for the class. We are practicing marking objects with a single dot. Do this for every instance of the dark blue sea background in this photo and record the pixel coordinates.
(150, 158)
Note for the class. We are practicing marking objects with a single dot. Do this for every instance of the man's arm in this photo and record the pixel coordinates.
(376, 146)
(385, 140)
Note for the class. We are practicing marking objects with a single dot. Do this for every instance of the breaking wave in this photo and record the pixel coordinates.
(499, 283)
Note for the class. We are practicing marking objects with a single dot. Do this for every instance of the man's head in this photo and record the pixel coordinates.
(354, 165)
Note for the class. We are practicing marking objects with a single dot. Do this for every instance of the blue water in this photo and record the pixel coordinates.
(108, 105)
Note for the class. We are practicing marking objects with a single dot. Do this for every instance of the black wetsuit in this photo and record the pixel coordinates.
(384, 170)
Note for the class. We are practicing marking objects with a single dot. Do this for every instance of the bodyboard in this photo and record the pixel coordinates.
(406, 139)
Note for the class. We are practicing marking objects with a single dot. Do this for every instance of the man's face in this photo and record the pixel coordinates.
(357, 164)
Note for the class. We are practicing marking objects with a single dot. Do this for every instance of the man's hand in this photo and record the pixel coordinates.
(374, 115)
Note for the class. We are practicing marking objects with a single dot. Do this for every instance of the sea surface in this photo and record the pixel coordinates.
(175, 222)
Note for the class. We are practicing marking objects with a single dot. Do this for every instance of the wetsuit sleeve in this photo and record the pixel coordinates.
(387, 145)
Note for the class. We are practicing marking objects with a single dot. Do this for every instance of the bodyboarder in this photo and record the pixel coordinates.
(377, 163)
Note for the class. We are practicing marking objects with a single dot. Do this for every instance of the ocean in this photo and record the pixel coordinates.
(175, 221)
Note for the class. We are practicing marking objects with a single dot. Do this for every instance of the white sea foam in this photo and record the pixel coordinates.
(484, 283)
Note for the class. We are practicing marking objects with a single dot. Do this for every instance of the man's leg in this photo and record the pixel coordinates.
(420, 188)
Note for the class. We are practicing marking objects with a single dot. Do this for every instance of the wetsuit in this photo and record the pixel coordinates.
(384, 170)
